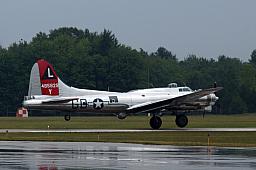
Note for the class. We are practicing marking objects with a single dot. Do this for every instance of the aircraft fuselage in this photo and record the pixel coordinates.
(112, 102)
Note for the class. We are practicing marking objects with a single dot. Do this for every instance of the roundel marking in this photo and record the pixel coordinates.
(98, 104)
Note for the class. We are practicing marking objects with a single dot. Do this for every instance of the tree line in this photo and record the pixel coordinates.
(99, 61)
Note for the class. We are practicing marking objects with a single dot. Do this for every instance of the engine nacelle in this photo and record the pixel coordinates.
(209, 98)
(121, 115)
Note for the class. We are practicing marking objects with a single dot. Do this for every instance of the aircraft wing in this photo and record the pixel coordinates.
(161, 104)
(59, 100)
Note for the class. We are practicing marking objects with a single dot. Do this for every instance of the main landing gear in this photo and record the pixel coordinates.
(156, 122)
(181, 120)
(67, 117)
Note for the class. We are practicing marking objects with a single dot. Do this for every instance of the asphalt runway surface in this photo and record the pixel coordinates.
(127, 130)
(105, 156)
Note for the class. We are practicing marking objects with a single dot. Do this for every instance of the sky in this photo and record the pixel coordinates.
(206, 28)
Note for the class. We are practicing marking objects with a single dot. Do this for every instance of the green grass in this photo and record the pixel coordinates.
(135, 122)
(131, 122)
(246, 139)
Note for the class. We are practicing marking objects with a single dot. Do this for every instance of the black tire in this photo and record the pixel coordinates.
(181, 121)
(67, 117)
(155, 122)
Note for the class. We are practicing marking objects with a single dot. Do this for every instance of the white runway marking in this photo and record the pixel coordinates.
(127, 130)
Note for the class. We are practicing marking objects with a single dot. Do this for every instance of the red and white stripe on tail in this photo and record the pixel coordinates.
(48, 79)
(43, 79)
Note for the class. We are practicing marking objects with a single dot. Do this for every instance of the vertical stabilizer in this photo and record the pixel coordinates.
(43, 79)
(34, 82)
(48, 79)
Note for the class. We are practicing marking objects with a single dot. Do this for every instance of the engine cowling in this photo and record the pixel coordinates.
(209, 98)
(121, 115)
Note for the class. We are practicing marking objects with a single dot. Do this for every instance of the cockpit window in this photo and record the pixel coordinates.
(172, 85)
(185, 89)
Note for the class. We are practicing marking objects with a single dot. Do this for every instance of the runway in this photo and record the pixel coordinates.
(126, 130)
(119, 156)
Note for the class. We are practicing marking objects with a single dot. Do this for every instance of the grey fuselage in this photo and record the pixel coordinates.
(114, 102)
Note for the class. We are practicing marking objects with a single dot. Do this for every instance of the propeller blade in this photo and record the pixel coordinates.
(215, 84)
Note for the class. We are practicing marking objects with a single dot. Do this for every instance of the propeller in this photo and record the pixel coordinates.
(217, 104)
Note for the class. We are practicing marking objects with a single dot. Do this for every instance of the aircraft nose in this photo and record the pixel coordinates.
(214, 98)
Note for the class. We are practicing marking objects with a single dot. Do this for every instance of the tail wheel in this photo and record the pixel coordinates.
(181, 120)
(155, 122)
(67, 117)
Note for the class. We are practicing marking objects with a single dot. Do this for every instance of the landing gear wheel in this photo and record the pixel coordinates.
(67, 117)
(181, 120)
(155, 122)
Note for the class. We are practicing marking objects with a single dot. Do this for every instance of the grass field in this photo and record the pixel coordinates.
(136, 122)
(131, 122)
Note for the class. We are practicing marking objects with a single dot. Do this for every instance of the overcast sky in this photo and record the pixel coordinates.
(207, 28)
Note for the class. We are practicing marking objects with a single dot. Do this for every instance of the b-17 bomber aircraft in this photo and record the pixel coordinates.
(48, 92)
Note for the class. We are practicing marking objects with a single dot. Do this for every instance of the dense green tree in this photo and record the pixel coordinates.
(94, 60)
(253, 57)
(164, 53)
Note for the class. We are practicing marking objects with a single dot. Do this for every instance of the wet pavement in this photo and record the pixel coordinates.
(88, 155)
(127, 130)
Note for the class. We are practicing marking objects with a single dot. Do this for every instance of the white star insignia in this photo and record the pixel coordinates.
(98, 104)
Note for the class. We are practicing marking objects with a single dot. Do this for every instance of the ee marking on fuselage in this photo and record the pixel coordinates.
(48, 92)
(98, 104)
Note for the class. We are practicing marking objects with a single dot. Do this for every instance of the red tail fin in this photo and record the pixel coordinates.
(48, 79)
